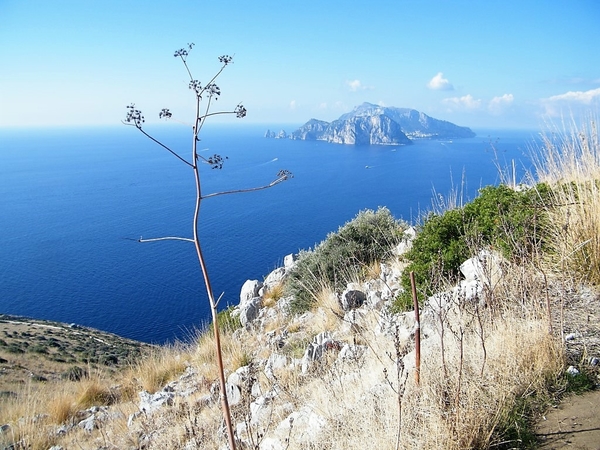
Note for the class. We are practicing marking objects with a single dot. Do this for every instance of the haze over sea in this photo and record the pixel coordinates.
(74, 201)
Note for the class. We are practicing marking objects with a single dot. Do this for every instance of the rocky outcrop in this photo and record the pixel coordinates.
(366, 129)
(370, 124)
(414, 124)
(481, 272)
(312, 130)
(272, 135)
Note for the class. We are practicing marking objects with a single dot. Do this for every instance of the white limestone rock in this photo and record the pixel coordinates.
(289, 261)
(249, 311)
(321, 342)
(275, 362)
(485, 267)
(249, 291)
(150, 403)
(407, 239)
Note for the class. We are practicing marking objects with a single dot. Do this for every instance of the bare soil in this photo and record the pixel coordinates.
(574, 423)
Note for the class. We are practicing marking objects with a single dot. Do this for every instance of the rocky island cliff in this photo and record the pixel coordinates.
(370, 124)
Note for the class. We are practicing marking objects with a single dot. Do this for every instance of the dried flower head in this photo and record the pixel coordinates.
(181, 53)
(216, 161)
(134, 116)
(240, 111)
(213, 90)
(195, 86)
(165, 113)
(226, 59)
(285, 174)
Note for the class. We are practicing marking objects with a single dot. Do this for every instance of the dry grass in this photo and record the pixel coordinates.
(372, 271)
(327, 311)
(94, 392)
(273, 295)
(162, 365)
(569, 162)
(29, 416)
(235, 354)
(521, 358)
(61, 408)
(453, 200)
(461, 406)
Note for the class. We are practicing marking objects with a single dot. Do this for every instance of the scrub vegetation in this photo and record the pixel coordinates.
(370, 237)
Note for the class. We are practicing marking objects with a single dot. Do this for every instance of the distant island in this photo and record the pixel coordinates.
(370, 124)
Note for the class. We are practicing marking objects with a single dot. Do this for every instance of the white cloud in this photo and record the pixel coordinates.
(322, 105)
(466, 102)
(555, 104)
(498, 105)
(356, 85)
(439, 83)
(293, 104)
(585, 97)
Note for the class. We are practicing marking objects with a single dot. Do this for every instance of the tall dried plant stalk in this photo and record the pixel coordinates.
(208, 93)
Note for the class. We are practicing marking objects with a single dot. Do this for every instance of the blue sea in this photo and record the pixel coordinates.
(73, 202)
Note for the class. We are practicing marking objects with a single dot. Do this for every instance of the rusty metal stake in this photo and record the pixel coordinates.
(417, 330)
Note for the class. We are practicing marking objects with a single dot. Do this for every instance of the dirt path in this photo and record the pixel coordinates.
(574, 424)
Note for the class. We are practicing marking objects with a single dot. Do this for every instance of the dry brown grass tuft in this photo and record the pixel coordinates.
(273, 295)
(372, 271)
(155, 370)
(94, 392)
(569, 162)
(61, 408)
(235, 352)
(327, 309)
(27, 417)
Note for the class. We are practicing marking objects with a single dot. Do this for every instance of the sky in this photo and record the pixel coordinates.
(491, 64)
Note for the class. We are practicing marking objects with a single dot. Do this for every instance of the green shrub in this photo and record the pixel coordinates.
(14, 348)
(369, 237)
(227, 322)
(38, 348)
(507, 220)
(74, 373)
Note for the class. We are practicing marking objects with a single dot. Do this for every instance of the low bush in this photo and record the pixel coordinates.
(507, 220)
(369, 237)
(580, 382)
(74, 373)
(228, 322)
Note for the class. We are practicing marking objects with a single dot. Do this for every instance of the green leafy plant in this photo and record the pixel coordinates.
(502, 218)
(369, 237)
(226, 321)
(578, 383)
